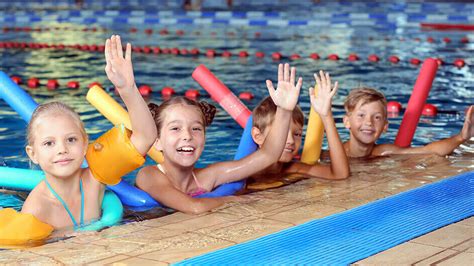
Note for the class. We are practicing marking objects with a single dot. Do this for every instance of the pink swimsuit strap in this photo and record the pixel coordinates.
(199, 191)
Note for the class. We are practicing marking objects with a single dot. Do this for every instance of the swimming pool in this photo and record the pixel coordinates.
(327, 28)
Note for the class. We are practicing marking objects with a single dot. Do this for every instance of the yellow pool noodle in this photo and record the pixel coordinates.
(314, 136)
(115, 113)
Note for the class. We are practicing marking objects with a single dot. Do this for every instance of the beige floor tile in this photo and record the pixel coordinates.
(82, 255)
(176, 255)
(306, 212)
(467, 246)
(196, 223)
(446, 237)
(399, 185)
(121, 246)
(56, 247)
(406, 253)
(467, 222)
(110, 260)
(436, 258)
(462, 258)
(185, 241)
(246, 230)
(138, 261)
(353, 199)
(150, 235)
(8, 257)
(126, 229)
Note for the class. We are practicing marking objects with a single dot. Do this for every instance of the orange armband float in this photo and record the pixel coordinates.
(113, 155)
(21, 229)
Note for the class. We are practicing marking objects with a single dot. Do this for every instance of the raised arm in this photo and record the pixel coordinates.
(322, 103)
(285, 98)
(119, 70)
(441, 147)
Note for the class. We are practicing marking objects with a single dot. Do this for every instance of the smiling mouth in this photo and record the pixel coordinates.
(186, 150)
(63, 161)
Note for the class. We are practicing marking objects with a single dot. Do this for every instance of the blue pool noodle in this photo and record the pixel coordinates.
(16, 97)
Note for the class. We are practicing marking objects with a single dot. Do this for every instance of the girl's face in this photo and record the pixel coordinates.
(182, 135)
(58, 145)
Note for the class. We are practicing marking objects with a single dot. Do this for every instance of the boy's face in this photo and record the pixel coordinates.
(366, 122)
(293, 140)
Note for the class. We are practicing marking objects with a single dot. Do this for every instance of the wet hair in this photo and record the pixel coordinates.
(364, 95)
(53, 108)
(208, 111)
(264, 114)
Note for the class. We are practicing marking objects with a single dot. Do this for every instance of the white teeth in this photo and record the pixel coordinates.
(186, 149)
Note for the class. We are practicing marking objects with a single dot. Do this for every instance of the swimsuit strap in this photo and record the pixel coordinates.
(65, 205)
(200, 189)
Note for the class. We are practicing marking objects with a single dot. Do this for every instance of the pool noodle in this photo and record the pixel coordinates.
(115, 113)
(221, 94)
(314, 136)
(415, 104)
(16, 97)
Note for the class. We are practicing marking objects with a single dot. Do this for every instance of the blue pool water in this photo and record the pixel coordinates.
(325, 28)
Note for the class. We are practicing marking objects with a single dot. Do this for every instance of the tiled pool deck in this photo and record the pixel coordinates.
(179, 236)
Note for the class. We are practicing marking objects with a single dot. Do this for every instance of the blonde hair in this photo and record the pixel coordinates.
(264, 114)
(50, 109)
(207, 111)
(364, 95)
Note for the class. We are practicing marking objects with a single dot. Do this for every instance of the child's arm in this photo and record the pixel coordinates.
(158, 186)
(285, 98)
(120, 72)
(441, 147)
(322, 103)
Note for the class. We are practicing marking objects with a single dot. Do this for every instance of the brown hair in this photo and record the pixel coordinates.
(50, 109)
(208, 111)
(264, 114)
(364, 95)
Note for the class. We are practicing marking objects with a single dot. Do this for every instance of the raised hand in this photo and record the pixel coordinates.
(287, 92)
(322, 102)
(119, 69)
(467, 131)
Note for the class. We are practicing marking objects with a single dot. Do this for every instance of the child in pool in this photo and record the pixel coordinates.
(181, 136)
(366, 118)
(264, 117)
(57, 141)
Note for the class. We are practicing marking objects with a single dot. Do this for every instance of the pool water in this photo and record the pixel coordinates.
(452, 90)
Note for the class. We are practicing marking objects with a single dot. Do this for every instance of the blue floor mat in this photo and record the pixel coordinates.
(358, 233)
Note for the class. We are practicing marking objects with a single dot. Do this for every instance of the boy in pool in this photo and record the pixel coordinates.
(263, 119)
(366, 118)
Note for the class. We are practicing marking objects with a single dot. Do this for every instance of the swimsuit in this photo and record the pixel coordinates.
(199, 191)
(65, 205)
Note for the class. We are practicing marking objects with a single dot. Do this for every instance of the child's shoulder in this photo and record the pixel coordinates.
(150, 175)
(37, 199)
(384, 149)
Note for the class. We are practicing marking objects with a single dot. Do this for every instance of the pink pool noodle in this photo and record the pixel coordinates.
(221, 94)
(416, 103)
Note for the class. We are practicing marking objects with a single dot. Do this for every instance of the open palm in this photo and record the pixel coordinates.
(467, 131)
(119, 69)
(287, 92)
(321, 97)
